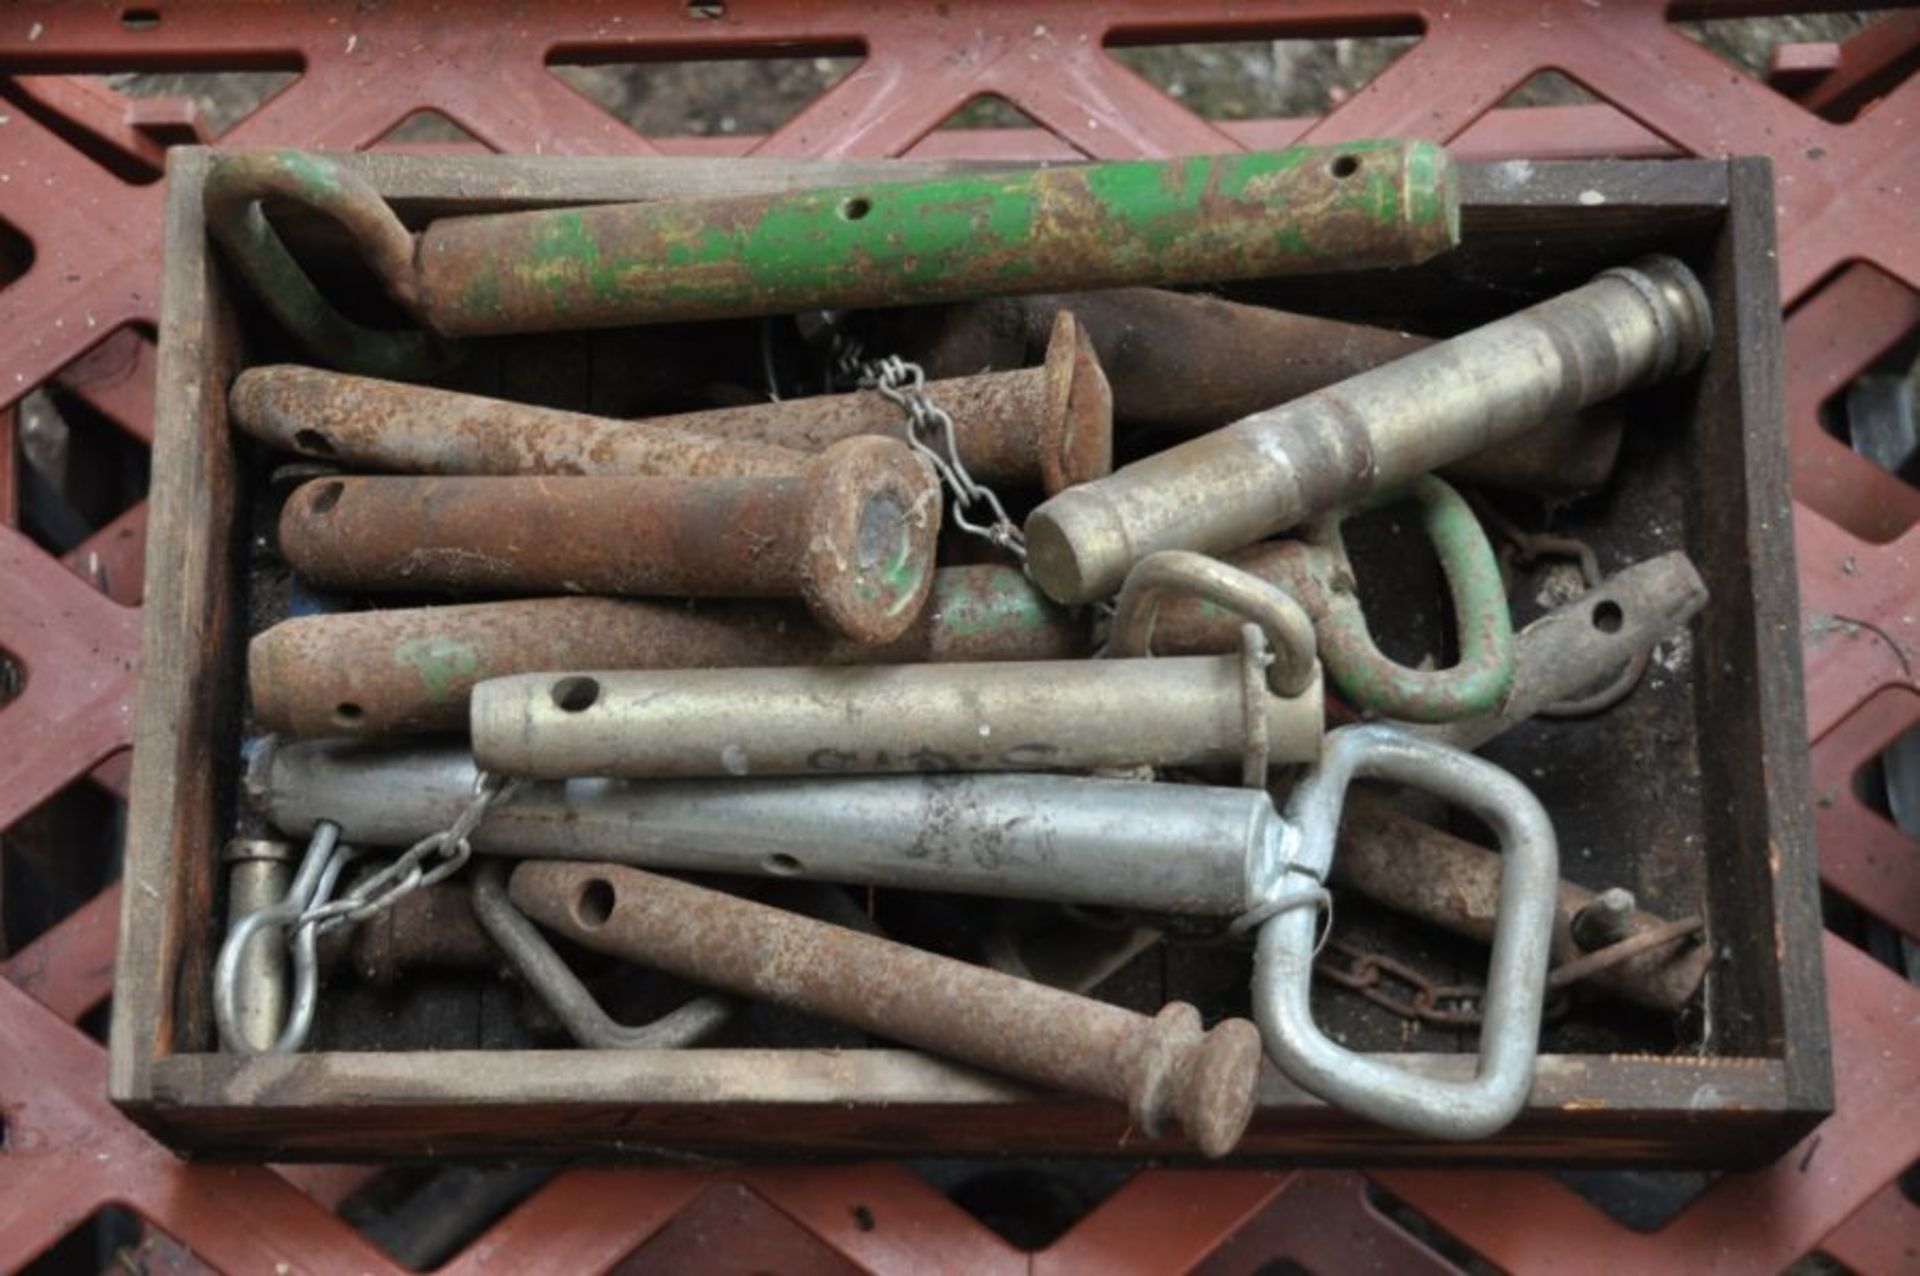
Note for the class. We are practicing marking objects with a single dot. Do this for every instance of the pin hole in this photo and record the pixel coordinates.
(347, 713)
(571, 695)
(1607, 617)
(854, 209)
(1344, 166)
(313, 441)
(327, 497)
(783, 865)
(594, 905)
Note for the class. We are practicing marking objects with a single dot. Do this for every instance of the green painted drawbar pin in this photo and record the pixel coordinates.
(920, 239)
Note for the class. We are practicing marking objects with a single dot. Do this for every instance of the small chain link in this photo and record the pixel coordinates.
(433, 858)
(930, 432)
(1373, 976)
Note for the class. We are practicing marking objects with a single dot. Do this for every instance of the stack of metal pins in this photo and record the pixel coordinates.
(687, 637)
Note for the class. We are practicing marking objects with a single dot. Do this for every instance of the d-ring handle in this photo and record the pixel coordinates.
(236, 184)
(1288, 631)
(1517, 972)
(1475, 683)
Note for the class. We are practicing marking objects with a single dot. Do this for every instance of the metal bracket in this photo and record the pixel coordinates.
(1517, 975)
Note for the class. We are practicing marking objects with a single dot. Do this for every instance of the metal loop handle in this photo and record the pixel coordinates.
(1476, 682)
(1517, 974)
(561, 991)
(237, 183)
(1288, 631)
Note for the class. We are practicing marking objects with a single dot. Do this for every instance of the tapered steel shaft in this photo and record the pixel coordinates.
(1047, 427)
(1160, 1067)
(412, 669)
(411, 429)
(853, 535)
(1373, 432)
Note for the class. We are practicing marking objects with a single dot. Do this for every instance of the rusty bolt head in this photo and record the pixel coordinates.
(871, 521)
(1077, 445)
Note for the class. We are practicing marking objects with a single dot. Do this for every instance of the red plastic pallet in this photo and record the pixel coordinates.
(76, 167)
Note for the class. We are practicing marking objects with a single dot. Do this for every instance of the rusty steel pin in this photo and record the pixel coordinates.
(412, 669)
(852, 534)
(390, 425)
(1160, 1067)
(1048, 427)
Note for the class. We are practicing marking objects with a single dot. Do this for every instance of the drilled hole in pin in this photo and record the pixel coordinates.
(313, 441)
(1344, 166)
(781, 864)
(856, 208)
(327, 497)
(574, 694)
(348, 714)
(594, 904)
(1607, 617)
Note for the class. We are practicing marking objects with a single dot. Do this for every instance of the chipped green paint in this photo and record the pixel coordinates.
(972, 605)
(1192, 220)
(447, 668)
(1477, 682)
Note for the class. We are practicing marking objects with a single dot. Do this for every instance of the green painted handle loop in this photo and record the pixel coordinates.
(238, 181)
(1473, 686)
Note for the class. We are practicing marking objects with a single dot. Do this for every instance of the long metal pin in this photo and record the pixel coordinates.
(1373, 432)
(1160, 1067)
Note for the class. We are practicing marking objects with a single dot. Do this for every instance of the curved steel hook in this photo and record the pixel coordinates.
(561, 991)
(236, 184)
(1522, 939)
(1288, 631)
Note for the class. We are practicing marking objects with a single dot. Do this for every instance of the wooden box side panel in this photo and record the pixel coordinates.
(1765, 905)
(189, 649)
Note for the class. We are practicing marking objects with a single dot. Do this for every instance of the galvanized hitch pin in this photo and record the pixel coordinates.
(1192, 220)
(1182, 364)
(1315, 570)
(1047, 427)
(1373, 432)
(1253, 709)
(852, 534)
(1162, 1068)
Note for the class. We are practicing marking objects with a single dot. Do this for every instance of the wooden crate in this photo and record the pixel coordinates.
(1718, 786)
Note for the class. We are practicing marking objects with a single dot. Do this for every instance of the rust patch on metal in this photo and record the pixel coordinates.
(853, 535)
(1161, 1067)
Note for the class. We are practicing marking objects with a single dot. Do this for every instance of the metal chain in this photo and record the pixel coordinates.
(930, 432)
(1458, 1005)
(433, 858)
